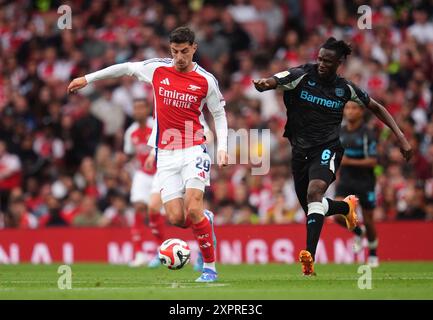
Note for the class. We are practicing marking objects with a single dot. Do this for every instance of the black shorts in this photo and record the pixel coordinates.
(365, 193)
(316, 163)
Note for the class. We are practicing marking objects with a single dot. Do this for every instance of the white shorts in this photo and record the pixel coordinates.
(143, 185)
(155, 185)
(182, 169)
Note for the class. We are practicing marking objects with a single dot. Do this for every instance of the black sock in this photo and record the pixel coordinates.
(337, 207)
(314, 227)
(357, 231)
(372, 246)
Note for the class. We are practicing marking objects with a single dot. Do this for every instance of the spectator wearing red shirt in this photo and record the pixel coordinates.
(19, 216)
(10, 173)
(118, 214)
(54, 216)
(89, 215)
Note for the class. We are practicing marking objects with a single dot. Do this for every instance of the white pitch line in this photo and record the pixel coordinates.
(175, 285)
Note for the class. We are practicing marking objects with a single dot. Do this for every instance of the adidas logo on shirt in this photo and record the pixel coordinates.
(165, 81)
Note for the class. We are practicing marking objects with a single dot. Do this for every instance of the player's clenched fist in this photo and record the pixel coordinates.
(265, 84)
(261, 85)
(77, 84)
(223, 158)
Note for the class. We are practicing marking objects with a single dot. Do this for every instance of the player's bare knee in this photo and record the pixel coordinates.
(176, 220)
(316, 191)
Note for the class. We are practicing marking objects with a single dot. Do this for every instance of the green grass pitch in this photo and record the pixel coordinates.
(392, 280)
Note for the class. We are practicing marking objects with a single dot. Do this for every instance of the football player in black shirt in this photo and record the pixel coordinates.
(357, 175)
(315, 96)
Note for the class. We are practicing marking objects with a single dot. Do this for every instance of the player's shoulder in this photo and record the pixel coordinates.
(347, 83)
(291, 74)
(134, 126)
(343, 128)
(343, 81)
(296, 72)
(206, 74)
(354, 89)
(369, 131)
(158, 62)
(301, 69)
(307, 67)
(345, 132)
(364, 130)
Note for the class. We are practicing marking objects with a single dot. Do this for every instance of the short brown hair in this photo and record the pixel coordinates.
(182, 35)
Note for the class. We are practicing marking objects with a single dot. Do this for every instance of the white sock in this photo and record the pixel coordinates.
(325, 205)
(209, 265)
(316, 207)
(373, 244)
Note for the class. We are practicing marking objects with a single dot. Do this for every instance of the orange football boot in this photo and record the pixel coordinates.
(351, 217)
(307, 263)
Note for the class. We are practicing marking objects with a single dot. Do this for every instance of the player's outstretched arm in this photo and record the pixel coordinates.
(77, 84)
(215, 103)
(221, 129)
(265, 84)
(113, 71)
(223, 158)
(385, 117)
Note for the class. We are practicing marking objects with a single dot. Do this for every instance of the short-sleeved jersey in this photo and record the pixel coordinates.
(179, 100)
(136, 143)
(315, 107)
(358, 144)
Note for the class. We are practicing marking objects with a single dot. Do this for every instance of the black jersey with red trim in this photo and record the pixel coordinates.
(314, 106)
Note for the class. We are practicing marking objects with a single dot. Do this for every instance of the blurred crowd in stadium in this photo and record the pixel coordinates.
(61, 159)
